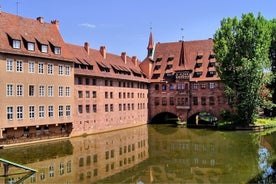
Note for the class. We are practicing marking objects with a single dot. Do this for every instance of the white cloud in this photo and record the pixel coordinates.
(88, 25)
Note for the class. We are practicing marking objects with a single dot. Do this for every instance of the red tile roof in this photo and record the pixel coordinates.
(106, 64)
(26, 30)
(182, 56)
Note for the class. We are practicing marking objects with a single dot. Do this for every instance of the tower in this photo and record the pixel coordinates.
(150, 45)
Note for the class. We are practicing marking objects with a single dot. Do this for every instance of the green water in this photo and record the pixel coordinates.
(148, 154)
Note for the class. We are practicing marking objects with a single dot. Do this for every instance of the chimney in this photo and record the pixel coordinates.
(124, 57)
(40, 19)
(86, 47)
(134, 60)
(55, 22)
(103, 51)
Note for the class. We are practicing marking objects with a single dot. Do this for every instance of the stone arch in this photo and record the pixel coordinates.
(164, 118)
(191, 119)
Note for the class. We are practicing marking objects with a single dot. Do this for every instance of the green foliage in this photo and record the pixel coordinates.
(242, 53)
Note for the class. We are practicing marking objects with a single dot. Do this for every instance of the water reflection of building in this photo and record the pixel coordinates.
(83, 159)
(197, 156)
(100, 156)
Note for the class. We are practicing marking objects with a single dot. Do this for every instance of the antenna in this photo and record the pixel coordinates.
(182, 37)
(150, 26)
(17, 4)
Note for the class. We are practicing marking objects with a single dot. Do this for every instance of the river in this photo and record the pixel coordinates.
(148, 154)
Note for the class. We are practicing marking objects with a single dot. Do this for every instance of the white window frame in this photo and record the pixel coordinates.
(41, 90)
(19, 90)
(19, 112)
(16, 44)
(50, 69)
(10, 113)
(60, 91)
(41, 111)
(9, 90)
(50, 91)
(68, 110)
(67, 91)
(67, 70)
(32, 112)
(44, 48)
(50, 111)
(31, 67)
(31, 46)
(41, 68)
(60, 111)
(19, 66)
(57, 50)
(211, 85)
(60, 69)
(9, 65)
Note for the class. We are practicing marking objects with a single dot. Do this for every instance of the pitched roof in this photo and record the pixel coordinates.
(106, 64)
(197, 57)
(28, 30)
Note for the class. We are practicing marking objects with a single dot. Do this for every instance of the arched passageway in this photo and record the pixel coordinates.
(164, 118)
(202, 119)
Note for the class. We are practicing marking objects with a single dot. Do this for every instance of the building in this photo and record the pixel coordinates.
(183, 80)
(111, 91)
(37, 80)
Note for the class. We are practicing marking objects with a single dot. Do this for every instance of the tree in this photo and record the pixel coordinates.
(242, 53)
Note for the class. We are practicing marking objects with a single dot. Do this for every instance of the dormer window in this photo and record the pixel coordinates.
(16, 44)
(30, 46)
(57, 50)
(44, 48)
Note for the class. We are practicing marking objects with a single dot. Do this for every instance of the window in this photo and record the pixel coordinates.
(57, 50)
(44, 48)
(67, 91)
(203, 101)
(50, 91)
(67, 70)
(10, 113)
(60, 111)
(40, 68)
(211, 85)
(171, 100)
(9, 65)
(164, 101)
(79, 80)
(194, 85)
(9, 90)
(94, 82)
(80, 94)
(19, 90)
(106, 94)
(50, 69)
(87, 94)
(31, 67)
(94, 108)
(60, 69)
(51, 171)
(16, 44)
(30, 46)
(19, 110)
(156, 87)
(68, 110)
(41, 111)
(60, 91)
(94, 94)
(31, 90)
(80, 109)
(50, 111)
(87, 108)
(111, 107)
(31, 112)
(19, 66)
(211, 100)
(156, 101)
(41, 90)
(61, 168)
(106, 107)
(120, 107)
(203, 86)
(164, 87)
(195, 100)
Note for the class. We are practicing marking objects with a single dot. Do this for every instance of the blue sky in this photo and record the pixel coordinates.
(124, 25)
